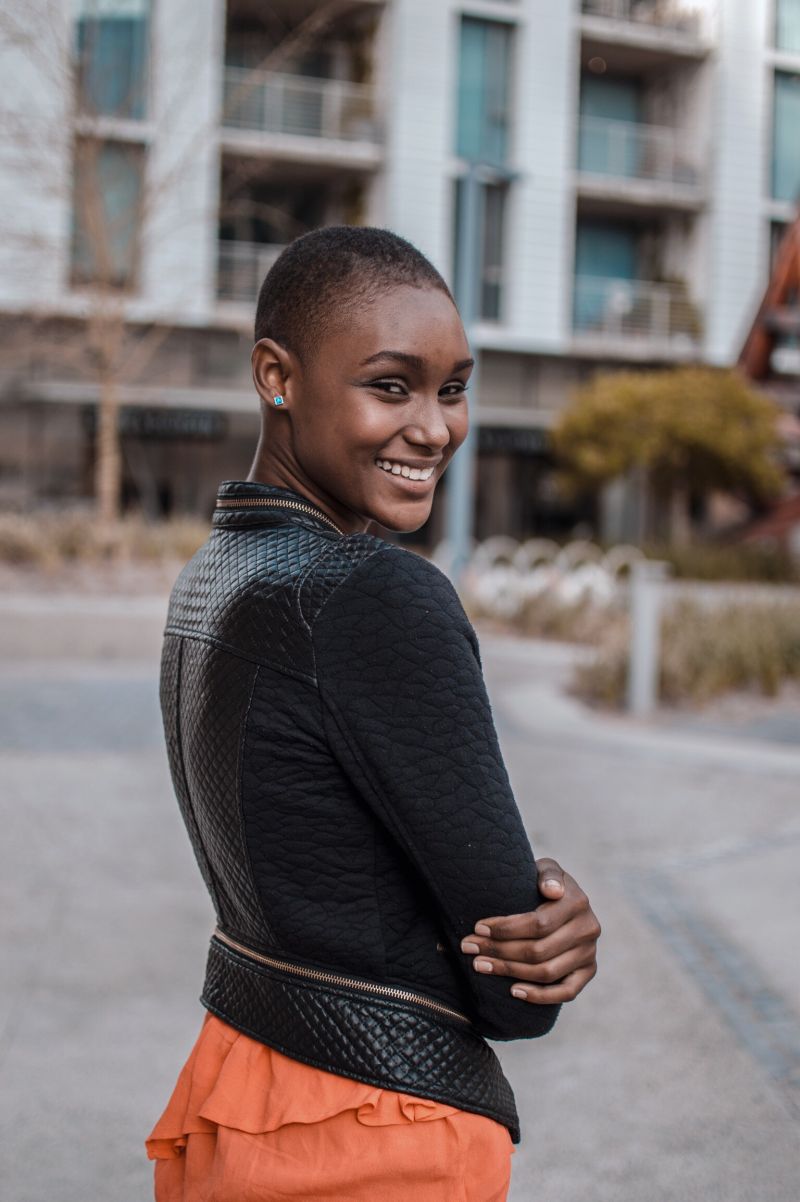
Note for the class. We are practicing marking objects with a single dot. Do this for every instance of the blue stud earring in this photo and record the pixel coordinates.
(278, 400)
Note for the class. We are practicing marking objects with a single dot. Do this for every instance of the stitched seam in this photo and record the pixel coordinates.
(212, 880)
(353, 567)
(261, 662)
(297, 587)
(240, 796)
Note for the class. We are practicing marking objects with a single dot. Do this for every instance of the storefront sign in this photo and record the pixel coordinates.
(520, 440)
(167, 425)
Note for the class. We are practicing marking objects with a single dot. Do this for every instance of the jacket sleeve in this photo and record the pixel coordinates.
(406, 708)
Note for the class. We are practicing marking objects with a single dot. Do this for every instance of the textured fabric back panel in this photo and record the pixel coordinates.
(171, 663)
(214, 695)
(242, 590)
(239, 590)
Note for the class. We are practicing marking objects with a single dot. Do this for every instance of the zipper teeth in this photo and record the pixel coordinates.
(258, 502)
(330, 978)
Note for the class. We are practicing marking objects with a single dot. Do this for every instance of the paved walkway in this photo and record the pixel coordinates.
(675, 1077)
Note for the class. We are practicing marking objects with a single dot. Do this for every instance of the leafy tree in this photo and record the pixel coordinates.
(684, 430)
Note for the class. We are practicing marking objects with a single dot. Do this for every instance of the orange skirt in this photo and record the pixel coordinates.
(247, 1124)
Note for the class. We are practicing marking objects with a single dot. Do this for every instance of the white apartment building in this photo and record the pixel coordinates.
(640, 158)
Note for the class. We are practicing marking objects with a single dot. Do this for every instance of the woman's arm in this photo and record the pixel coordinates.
(550, 953)
(407, 712)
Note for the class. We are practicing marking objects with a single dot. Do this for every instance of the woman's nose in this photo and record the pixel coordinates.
(430, 428)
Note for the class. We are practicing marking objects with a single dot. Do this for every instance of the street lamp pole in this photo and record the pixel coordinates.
(460, 492)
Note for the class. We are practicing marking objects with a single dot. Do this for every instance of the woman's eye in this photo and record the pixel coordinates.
(393, 387)
(454, 391)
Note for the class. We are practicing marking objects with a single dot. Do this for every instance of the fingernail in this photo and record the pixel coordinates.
(482, 965)
(472, 949)
(517, 992)
(552, 882)
(482, 929)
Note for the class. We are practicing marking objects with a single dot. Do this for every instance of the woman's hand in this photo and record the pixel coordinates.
(550, 952)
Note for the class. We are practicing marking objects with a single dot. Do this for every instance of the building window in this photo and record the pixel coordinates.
(606, 260)
(787, 25)
(494, 211)
(111, 52)
(610, 139)
(106, 213)
(483, 90)
(491, 251)
(785, 142)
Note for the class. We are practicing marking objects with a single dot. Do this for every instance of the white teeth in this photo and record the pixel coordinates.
(402, 469)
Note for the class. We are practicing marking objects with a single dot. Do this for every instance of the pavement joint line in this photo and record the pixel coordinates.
(764, 1023)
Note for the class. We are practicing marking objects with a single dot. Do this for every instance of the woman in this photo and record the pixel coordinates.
(334, 756)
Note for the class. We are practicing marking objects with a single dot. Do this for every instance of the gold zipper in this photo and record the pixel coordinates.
(331, 978)
(277, 502)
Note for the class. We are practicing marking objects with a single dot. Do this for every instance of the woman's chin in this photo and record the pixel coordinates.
(403, 517)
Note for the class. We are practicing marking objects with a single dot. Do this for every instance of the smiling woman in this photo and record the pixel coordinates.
(335, 760)
(352, 404)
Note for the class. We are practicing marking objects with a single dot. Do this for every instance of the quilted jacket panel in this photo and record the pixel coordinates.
(336, 763)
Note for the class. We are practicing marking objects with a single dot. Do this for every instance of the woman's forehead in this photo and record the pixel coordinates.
(420, 322)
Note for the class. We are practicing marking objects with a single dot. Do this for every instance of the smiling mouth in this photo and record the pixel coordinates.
(404, 471)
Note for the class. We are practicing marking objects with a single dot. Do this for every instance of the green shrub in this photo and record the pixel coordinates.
(705, 652)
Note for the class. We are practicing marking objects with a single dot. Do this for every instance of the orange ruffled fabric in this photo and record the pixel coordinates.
(247, 1124)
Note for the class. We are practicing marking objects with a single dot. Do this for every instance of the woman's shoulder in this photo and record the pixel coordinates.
(364, 571)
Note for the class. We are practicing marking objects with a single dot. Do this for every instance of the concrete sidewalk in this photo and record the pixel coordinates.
(675, 1076)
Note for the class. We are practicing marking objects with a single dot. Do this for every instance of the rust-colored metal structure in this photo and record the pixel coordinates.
(778, 319)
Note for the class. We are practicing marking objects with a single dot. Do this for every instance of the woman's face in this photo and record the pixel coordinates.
(377, 411)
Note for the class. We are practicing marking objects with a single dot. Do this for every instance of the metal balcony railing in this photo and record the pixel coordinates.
(241, 267)
(665, 14)
(634, 310)
(299, 106)
(628, 150)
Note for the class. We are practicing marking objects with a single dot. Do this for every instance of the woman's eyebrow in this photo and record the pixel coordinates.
(412, 361)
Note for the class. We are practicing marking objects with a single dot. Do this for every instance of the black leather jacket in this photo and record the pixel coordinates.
(336, 763)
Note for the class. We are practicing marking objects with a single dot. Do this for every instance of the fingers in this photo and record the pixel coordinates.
(583, 930)
(541, 922)
(548, 973)
(564, 991)
(550, 878)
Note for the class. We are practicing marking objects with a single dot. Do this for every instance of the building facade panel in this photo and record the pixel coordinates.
(636, 162)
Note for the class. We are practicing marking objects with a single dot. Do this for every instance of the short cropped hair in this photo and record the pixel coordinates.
(323, 276)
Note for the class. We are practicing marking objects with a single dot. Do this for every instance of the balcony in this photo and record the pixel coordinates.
(241, 267)
(634, 319)
(655, 29)
(660, 13)
(643, 165)
(301, 116)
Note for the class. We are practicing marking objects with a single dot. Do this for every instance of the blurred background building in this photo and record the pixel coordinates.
(640, 162)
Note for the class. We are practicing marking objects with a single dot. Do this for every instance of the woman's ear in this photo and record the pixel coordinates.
(272, 370)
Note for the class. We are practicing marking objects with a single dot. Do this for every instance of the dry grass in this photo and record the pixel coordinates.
(705, 654)
(55, 540)
(715, 562)
(585, 622)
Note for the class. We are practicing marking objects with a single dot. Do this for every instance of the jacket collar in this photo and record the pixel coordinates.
(239, 498)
